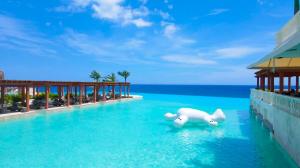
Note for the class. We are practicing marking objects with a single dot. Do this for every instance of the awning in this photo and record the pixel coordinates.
(286, 55)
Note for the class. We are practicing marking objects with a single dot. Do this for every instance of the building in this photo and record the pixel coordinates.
(276, 99)
(1, 75)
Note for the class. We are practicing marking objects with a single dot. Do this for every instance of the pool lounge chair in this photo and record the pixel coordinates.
(58, 102)
(16, 107)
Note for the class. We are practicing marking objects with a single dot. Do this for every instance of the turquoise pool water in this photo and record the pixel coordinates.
(135, 134)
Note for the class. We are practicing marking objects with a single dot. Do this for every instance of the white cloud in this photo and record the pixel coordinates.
(129, 51)
(177, 39)
(112, 50)
(111, 10)
(18, 35)
(141, 23)
(217, 11)
(81, 3)
(84, 44)
(75, 6)
(164, 15)
(185, 59)
(237, 52)
(170, 6)
(183, 41)
(135, 43)
(170, 30)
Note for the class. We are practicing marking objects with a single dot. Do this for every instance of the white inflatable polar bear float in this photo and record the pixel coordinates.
(188, 114)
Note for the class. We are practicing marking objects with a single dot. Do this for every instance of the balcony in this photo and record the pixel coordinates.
(285, 103)
(292, 27)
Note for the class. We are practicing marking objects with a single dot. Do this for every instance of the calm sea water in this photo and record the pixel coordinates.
(241, 91)
(135, 134)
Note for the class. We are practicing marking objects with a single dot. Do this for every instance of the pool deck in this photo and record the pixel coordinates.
(14, 115)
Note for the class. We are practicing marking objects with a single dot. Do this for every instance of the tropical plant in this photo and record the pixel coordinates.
(41, 96)
(111, 78)
(53, 96)
(125, 74)
(95, 75)
(16, 98)
(10, 99)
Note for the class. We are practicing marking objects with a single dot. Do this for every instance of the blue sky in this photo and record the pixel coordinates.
(158, 41)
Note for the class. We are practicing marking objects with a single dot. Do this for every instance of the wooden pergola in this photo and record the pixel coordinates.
(24, 87)
(270, 75)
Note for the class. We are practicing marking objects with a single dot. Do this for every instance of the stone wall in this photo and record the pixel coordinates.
(282, 113)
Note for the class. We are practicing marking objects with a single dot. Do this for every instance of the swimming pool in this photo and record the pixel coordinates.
(135, 134)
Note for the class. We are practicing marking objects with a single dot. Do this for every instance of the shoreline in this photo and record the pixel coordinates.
(17, 115)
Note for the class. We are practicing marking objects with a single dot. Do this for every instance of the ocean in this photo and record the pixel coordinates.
(238, 91)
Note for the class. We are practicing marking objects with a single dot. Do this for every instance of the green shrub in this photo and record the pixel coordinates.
(17, 98)
(41, 96)
(53, 96)
(9, 99)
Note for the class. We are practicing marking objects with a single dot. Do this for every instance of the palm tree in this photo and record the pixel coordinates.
(296, 6)
(111, 78)
(95, 75)
(125, 74)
